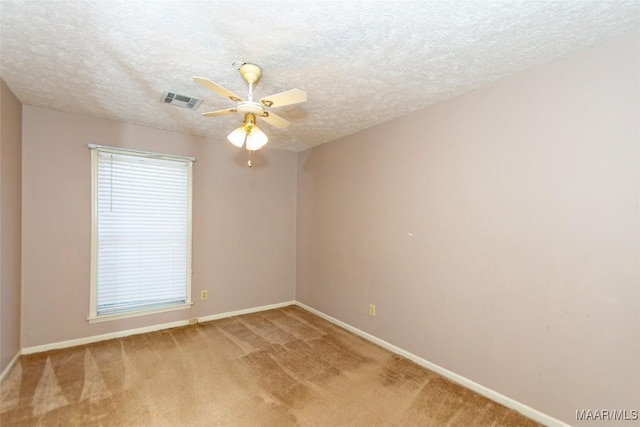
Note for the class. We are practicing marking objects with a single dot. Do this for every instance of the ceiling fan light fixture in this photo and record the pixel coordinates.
(238, 136)
(256, 139)
(249, 135)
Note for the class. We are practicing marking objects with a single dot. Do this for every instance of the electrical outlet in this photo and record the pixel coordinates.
(204, 294)
(372, 310)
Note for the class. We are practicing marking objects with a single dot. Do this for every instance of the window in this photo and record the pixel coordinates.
(140, 233)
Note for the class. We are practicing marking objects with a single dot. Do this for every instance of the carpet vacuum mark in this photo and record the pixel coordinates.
(283, 367)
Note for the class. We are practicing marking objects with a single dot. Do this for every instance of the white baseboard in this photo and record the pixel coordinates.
(10, 366)
(525, 410)
(245, 311)
(153, 328)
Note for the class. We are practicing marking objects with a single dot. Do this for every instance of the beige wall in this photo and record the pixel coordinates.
(243, 224)
(497, 234)
(10, 223)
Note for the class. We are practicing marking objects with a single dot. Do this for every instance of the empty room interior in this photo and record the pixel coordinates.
(320, 213)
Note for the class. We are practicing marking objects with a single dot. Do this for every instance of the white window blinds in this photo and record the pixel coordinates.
(142, 232)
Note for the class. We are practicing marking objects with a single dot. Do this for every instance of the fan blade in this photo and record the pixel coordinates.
(214, 87)
(274, 120)
(220, 112)
(288, 97)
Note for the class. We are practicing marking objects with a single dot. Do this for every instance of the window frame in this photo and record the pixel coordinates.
(94, 317)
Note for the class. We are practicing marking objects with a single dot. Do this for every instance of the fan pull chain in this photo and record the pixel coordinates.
(249, 161)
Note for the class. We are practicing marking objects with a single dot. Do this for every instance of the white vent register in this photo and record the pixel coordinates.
(183, 101)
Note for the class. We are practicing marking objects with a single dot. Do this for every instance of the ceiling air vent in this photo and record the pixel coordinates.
(178, 100)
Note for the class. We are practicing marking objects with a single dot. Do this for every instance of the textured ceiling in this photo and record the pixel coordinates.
(361, 63)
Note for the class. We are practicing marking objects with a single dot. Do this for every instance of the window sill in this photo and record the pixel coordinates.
(124, 315)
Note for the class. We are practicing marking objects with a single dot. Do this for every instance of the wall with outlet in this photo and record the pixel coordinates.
(497, 233)
(243, 224)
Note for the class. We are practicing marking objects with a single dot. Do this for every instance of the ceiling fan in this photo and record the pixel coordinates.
(248, 134)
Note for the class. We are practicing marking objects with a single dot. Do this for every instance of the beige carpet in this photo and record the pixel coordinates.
(284, 367)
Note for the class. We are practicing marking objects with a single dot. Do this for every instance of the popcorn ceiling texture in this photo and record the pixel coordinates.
(361, 63)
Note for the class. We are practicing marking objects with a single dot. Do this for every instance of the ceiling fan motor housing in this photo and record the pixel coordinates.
(246, 107)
